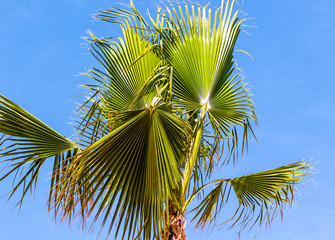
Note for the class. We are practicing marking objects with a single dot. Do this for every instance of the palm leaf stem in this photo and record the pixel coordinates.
(191, 162)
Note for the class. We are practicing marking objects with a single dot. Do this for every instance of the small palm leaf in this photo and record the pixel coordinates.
(31, 143)
(264, 192)
(132, 70)
(91, 122)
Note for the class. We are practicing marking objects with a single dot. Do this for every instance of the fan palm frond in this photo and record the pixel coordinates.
(261, 195)
(199, 48)
(129, 174)
(31, 142)
(132, 70)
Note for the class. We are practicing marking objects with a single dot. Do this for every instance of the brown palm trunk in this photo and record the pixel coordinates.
(175, 228)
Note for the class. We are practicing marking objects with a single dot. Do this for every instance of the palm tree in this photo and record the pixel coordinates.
(166, 110)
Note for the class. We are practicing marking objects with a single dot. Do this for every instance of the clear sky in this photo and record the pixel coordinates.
(292, 79)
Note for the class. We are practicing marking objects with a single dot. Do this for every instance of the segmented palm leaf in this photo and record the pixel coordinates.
(132, 70)
(201, 54)
(130, 172)
(261, 195)
(30, 143)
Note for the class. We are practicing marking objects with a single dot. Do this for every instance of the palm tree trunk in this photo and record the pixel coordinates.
(175, 228)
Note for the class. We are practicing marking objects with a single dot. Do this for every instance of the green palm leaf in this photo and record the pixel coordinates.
(201, 56)
(129, 174)
(199, 48)
(132, 69)
(31, 143)
(261, 195)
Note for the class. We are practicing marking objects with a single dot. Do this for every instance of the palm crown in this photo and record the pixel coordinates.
(166, 109)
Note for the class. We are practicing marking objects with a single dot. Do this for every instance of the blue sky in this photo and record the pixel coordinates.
(292, 80)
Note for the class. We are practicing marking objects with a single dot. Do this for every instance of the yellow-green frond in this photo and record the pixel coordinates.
(129, 174)
(261, 195)
(29, 143)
